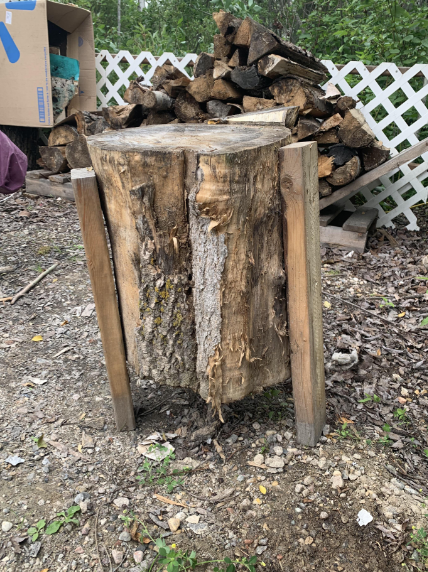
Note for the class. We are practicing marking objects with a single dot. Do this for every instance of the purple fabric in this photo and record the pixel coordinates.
(13, 166)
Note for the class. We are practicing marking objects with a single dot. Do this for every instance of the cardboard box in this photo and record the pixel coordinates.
(25, 77)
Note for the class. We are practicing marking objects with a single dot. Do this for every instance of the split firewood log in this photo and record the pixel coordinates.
(257, 103)
(201, 87)
(157, 101)
(165, 73)
(135, 92)
(329, 137)
(122, 116)
(54, 158)
(225, 90)
(62, 135)
(341, 154)
(325, 166)
(203, 63)
(159, 118)
(354, 130)
(307, 127)
(248, 78)
(227, 24)
(217, 108)
(291, 92)
(77, 153)
(333, 121)
(187, 109)
(274, 66)
(374, 156)
(221, 70)
(345, 174)
(324, 188)
(174, 86)
(344, 103)
(239, 58)
(222, 47)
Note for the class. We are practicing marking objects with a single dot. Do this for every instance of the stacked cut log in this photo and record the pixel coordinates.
(251, 70)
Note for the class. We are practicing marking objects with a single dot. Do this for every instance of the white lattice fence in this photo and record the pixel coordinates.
(114, 76)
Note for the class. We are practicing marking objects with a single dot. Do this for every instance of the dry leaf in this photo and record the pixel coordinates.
(327, 304)
(37, 339)
(146, 540)
(79, 447)
(262, 489)
(345, 420)
(219, 449)
(257, 501)
(82, 416)
(401, 315)
(378, 351)
(134, 531)
(64, 323)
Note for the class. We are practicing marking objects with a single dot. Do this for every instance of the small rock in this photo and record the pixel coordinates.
(85, 530)
(193, 519)
(322, 463)
(34, 549)
(309, 540)
(125, 536)
(263, 541)
(81, 497)
(336, 480)
(120, 502)
(84, 506)
(198, 528)
(138, 556)
(256, 426)
(278, 450)
(397, 484)
(232, 439)
(117, 556)
(327, 430)
(245, 503)
(6, 526)
(260, 549)
(298, 488)
(259, 459)
(174, 524)
(14, 460)
(308, 480)
(323, 515)
(275, 462)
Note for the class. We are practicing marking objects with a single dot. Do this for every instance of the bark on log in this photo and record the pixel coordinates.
(239, 58)
(187, 109)
(257, 104)
(201, 87)
(77, 153)
(122, 116)
(333, 121)
(204, 62)
(88, 123)
(159, 118)
(276, 66)
(62, 135)
(345, 174)
(343, 104)
(222, 47)
(341, 154)
(54, 158)
(174, 86)
(292, 92)
(307, 127)
(203, 303)
(157, 101)
(248, 78)
(354, 130)
(135, 93)
(374, 156)
(227, 24)
(225, 90)
(327, 137)
(325, 166)
(324, 188)
(219, 109)
(165, 73)
(221, 70)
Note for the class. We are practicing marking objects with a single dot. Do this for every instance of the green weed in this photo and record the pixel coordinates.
(65, 518)
(156, 472)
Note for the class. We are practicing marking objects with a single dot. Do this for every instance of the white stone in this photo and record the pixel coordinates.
(6, 526)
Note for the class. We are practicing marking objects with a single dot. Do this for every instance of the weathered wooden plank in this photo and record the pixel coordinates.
(361, 220)
(330, 213)
(336, 236)
(353, 188)
(100, 272)
(47, 188)
(299, 191)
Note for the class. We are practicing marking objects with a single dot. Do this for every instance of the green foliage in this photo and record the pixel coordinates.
(65, 518)
(420, 543)
(368, 398)
(36, 530)
(40, 442)
(401, 415)
(386, 302)
(154, 472)
(343, 432)
(385, 440)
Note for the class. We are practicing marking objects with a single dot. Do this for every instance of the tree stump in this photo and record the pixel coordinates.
(194, 217)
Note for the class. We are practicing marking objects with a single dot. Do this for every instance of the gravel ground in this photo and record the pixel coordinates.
(251, 490)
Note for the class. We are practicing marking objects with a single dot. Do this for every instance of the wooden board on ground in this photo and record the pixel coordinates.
(299, 190)
(100, 272)
(352, 189)
(336, 236)
(47, 188)
(328, 214)
(361, 220)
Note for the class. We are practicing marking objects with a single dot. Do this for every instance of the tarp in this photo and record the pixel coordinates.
(13, 166)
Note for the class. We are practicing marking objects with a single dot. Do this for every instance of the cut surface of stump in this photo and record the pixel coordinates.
(194, 218)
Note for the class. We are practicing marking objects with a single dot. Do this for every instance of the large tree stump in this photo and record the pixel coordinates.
(194, 217)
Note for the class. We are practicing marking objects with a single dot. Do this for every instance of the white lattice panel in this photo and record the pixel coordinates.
(411, 179)
(114, 77)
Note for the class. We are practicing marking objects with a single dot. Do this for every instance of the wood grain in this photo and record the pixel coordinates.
(299, 191)
(100, 272)
(47, 188)
(336, 236)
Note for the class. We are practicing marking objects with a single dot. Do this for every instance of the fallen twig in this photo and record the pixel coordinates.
(5, 299)
(96, 540)
(33, 283)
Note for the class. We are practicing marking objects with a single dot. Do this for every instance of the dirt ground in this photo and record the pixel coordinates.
(294, 508)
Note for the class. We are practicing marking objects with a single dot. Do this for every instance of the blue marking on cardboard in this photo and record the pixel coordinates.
(9, 45)
(24, 5)
(61, 66)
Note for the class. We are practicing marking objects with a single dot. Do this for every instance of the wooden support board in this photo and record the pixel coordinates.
(330, 213)
(335, 236)
(47, 188)
(352, 189)
(361, 220)
(100, 272)
(299, 191)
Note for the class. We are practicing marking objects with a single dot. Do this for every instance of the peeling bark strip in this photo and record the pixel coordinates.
(194, 217)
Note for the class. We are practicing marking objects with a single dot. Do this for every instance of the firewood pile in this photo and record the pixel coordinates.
(251, 70)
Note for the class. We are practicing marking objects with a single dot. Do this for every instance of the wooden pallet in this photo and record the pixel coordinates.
(48, 184)
(346, 229)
